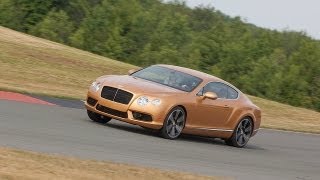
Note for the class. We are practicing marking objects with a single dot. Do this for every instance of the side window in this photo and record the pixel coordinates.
(232, 94)
(200, 93)
(219, 88)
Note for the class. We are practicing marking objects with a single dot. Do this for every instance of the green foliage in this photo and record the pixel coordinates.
(23, 14)
(55, 26)
(283, 66)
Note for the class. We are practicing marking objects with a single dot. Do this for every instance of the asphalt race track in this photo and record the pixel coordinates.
(65, 129)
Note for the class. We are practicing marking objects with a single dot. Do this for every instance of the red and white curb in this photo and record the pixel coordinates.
(11, 96)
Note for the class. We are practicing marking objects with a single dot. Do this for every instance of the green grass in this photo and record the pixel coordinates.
(34, 65)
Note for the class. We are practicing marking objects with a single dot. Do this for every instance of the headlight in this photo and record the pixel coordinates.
(143, 100)
(156, 102)
(95, 86)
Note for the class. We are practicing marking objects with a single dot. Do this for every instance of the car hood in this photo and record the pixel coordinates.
(137, 85)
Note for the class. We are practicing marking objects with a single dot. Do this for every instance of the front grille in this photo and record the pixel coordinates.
(116, 95)
(91, 101)
(123, 97)
(112, 111)
(108, 92)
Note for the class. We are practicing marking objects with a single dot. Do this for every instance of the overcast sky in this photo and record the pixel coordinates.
(299, 15)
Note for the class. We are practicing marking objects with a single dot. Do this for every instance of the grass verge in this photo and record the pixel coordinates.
(34, 65)
(17, 164)
(285, 117)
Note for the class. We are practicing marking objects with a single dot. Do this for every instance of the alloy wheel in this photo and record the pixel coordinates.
(243, 132)
(174, 123)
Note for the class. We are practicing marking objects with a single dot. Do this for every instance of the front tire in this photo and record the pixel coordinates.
(174, 123)
(241, 134)
(98, 118)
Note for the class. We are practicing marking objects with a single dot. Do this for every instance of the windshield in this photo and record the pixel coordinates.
(169, 77)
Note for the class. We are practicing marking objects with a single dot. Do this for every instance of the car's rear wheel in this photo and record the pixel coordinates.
(98, 118)
(174, 123)
(241, 134)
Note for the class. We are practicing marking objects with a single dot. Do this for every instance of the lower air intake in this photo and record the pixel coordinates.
(112, 111)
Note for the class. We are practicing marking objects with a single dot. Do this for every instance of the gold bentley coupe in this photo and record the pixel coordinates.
(175, 101)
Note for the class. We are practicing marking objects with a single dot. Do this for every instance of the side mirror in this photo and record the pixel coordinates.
(131, 71)
(210, 95)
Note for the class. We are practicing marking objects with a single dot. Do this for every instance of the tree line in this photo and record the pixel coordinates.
(282, 66)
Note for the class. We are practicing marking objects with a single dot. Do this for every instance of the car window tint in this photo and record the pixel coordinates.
(232, 94)
(219, 88)
(200, 93)
(169, 77)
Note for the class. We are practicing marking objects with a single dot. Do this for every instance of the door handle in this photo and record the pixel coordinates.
(226, 106)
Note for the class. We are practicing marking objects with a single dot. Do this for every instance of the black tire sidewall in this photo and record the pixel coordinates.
(97, 117)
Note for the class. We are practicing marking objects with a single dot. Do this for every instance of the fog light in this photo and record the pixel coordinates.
(141, 116)
(137, 115)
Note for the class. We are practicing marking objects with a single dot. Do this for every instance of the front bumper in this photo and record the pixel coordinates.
(124, 112)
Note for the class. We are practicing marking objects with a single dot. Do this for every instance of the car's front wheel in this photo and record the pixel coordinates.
(241, 134)
(174, 123)
(98, 118)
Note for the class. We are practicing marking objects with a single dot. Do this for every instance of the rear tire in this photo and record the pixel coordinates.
(98, 118)
(241, 134)
(174, 123)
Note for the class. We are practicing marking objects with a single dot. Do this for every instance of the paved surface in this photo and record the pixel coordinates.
(68, 131)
